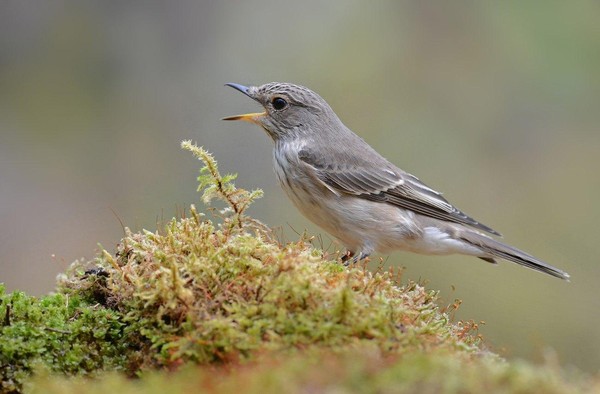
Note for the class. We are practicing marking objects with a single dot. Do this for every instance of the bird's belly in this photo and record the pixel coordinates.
(370, 226)
(358, 223)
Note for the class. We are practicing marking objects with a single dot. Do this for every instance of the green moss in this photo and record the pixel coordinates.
(225, 295)
(59, 332)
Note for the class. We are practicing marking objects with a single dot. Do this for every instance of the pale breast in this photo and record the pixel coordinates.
(294, 177)
(356, 222)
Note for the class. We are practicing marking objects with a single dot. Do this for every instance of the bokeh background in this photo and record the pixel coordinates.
(495, 103)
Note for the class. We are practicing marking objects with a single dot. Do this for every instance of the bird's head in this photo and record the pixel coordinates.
(290, 110)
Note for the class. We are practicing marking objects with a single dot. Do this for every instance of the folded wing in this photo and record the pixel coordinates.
(386, 183)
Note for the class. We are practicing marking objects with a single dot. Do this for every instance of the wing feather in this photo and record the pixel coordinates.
(387, 184)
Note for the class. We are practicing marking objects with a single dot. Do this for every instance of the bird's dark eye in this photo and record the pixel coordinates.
(279, 103)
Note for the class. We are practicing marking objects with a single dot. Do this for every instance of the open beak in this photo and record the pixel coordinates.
(252, 117)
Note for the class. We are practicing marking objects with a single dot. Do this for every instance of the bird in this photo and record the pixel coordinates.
(340, 183)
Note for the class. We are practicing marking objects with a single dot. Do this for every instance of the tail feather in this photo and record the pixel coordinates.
(493, 248)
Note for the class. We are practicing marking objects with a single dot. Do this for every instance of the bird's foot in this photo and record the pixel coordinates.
(353, 258)
(347, 257)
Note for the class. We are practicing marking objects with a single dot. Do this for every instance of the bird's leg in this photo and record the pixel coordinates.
(352, 258)
(347, 258)
(362, 256)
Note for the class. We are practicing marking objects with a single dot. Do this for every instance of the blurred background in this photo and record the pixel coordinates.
(497, 104)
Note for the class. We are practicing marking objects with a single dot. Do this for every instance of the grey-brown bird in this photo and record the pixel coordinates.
(342, 184)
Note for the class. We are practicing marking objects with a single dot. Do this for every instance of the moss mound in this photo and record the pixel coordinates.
(197, 294)
(227, 296)
(197, 291)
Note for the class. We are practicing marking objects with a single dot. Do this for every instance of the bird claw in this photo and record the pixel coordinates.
(352, 258)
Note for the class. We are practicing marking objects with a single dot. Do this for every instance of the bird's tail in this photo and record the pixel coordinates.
(493, 248)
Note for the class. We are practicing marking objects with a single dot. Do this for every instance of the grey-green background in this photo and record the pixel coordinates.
(495, 103)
